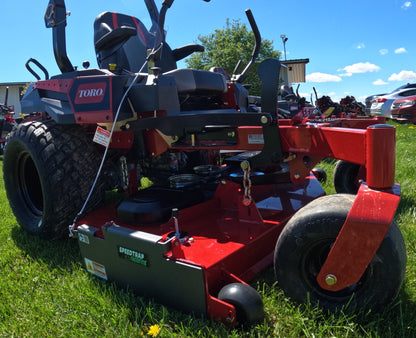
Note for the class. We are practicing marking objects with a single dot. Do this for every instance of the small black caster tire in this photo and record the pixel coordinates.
(320, 174)
(347, 177)
(247, 302)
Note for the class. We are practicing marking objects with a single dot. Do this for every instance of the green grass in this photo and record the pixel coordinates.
(45, 291)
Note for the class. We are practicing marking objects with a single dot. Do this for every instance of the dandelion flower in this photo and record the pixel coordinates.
(154, 330)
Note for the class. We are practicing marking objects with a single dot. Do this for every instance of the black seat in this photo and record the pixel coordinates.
(124, 40)
(198, 81)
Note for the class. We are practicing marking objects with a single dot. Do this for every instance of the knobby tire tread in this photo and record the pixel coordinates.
(67, 162)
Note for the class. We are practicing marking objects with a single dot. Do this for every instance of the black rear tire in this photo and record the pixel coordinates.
(48, 171)
(305, 243)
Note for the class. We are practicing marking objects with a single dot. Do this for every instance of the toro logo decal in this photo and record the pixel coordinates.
(90, 93)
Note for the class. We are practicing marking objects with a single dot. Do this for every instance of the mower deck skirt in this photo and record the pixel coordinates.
(224, 242)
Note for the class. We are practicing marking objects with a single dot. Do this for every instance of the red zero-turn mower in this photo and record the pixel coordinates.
(6, 120)
(232, 189)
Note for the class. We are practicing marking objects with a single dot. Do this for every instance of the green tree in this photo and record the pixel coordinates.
(226, 46)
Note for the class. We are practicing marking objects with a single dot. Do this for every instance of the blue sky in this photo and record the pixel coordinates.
(355, 47)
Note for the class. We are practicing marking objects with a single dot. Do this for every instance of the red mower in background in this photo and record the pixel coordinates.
(6, 121)
(232, 190)
(348, 107)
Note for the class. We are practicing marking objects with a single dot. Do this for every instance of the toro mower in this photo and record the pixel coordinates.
(348, 107)
(6, 120)
(213, 192)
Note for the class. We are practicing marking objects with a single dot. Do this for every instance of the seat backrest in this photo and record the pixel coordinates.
(124, 41)
(128, 54)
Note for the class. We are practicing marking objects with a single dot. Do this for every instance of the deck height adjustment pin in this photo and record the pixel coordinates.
(175, 215)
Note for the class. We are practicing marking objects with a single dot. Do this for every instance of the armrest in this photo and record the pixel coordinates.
(184, 51)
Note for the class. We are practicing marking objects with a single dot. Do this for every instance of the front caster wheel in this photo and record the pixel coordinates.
(304, 244)
(347, 177)
(320, 174)
(246, 300)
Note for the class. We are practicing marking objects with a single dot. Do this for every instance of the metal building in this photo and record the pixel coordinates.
(15, 94)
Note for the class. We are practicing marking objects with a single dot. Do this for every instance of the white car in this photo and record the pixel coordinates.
(382, 105)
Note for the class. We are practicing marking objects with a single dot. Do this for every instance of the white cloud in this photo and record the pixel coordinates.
(404, 75)
(360, 46)
(400, 50)
(383, 51)
(407, 5)
(379, 82)
(307, 95)
(360, 67)
(322, 77)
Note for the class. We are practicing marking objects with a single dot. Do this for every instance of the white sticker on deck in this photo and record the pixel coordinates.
(83, 238)
(255, 139)
(102, 136)
(96, 268)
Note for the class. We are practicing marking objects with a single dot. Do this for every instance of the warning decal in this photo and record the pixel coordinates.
(255, 139)
(95, 268)
(102, 136)
(83, 238)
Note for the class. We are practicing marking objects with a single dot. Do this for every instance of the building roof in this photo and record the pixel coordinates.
(5, 84)
(296, 69)
(286, 62)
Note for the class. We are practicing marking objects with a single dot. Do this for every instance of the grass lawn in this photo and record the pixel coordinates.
(45, 291)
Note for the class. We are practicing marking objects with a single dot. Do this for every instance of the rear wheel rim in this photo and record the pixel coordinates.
(30, 188)
(311, 266)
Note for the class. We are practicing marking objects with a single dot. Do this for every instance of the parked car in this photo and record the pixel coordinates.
(404, 109)
(369, 101)
(382, 105)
